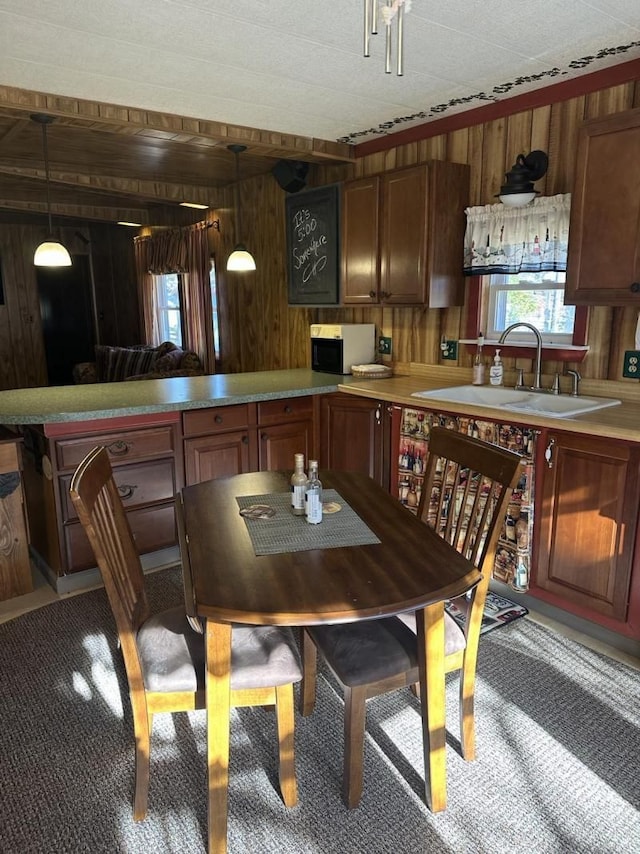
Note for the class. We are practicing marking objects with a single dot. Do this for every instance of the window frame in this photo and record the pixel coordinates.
(162, 310)
(498, 286)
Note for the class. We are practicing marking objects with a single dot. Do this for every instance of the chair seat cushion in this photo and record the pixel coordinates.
(371, 650)
(172, 654)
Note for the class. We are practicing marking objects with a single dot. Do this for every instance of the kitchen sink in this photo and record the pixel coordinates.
(518, 400)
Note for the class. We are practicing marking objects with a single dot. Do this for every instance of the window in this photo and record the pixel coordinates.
(213, 282)
(168, 307)
(536, 298)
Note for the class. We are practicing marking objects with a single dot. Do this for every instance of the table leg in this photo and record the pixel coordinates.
(218, 682)
(430, 623)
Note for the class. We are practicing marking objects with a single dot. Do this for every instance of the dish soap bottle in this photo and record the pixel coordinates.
(478, 363)
(496, 371)
(298, 486)
(313, 495)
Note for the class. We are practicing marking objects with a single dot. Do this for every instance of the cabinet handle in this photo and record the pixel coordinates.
(548, 454)
(119, 448)
(245, 440)
(264, 437)
(126, 491)
(288, 410)
(379, 414)
(634, 287)
(372, 294)
(218, 419)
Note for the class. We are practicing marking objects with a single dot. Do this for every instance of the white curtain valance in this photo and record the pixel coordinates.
(500, 239)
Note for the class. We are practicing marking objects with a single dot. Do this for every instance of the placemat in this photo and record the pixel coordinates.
(285, 532)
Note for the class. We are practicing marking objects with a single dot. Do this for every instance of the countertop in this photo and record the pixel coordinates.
(616, 422)
(61, 404)
(109, 400)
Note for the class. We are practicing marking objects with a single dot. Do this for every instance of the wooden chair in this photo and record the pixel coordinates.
(467, 486)
(163, 654)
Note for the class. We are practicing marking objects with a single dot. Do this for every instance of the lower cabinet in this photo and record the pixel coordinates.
(355, 435)
(146, 456)
(587, 522)
(228, 440)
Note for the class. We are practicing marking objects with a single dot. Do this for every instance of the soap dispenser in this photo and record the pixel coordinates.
(496, 371)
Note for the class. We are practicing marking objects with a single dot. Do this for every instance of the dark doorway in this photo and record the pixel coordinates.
(67, 317)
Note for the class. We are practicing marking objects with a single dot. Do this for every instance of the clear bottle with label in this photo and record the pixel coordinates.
(496, 371)
(299, 483)
(478, 363)
(313, 495)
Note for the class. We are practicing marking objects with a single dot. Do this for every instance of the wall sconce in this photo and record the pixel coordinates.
(518, 189)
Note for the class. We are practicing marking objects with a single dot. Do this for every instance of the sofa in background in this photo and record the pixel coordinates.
(115, 364)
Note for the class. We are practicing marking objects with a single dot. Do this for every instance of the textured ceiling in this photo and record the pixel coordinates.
(294, 71)
(297, 67)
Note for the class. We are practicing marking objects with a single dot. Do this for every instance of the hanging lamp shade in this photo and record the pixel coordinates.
(240, 260)
(50, 253)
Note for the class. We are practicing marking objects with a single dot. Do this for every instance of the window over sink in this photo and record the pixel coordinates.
(536, 298)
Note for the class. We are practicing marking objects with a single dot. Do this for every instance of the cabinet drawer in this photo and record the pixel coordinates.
(197, 422)
(121, 447)
(153, 528)
(137, 484)
(280, 411)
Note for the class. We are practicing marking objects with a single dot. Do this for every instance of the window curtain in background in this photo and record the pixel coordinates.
(184, 251)
(534, 238)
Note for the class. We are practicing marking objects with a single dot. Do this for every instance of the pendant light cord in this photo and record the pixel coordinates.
(238, 210)
(46, 173)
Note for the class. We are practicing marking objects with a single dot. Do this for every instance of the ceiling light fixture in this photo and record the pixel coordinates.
(51, 253)
(240, 260)
(390, 11)
(194, 205)
(518, 190)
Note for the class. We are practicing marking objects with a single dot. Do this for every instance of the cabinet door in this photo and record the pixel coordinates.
(360, 241)
(603, 266)
(219, 455)
(404, 237)
(355, 435)
(279, 443)
(587, 521)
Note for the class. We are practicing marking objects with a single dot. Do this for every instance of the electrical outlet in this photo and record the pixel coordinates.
(450, 350)
(631, 367)
(384, 346)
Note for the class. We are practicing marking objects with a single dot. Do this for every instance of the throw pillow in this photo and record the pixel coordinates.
(169, 361)
(123, 362)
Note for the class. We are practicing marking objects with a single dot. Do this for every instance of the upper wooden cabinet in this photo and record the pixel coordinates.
(603, 266)
(402, 236)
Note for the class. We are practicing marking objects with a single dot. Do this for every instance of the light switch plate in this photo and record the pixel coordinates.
(631, 366)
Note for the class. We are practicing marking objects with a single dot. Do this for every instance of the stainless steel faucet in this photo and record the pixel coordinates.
(575, 387)
(537, 383)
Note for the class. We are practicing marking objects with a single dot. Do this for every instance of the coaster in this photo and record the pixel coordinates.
(331, 507)
(258, 511)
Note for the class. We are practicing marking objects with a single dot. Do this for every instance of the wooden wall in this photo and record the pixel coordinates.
(261, 332)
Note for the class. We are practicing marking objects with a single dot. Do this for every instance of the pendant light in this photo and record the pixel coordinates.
(51, 253)
(240, 260)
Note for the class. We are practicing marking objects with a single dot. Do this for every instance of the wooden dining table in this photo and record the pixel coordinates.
(408, 567)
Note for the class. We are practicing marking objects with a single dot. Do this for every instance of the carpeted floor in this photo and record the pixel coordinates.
(558, 743)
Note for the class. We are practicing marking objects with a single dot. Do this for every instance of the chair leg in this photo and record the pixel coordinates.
(467, 711)
(309, 675)
(142, 724)
(286, 722)
(354, 724)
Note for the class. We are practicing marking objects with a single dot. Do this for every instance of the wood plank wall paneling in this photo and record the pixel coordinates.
(490, 149)
(259, 330)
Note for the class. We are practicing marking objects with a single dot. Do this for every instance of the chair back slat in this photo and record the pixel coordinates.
(467, 486)
(99, 505)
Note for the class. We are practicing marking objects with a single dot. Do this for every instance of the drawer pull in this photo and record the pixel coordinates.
(634, 287)
(218, 419)
(126, 491)
(119, 448)
(288, 410)
(245, 440)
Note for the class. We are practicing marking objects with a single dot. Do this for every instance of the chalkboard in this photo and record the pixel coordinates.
(313, 246)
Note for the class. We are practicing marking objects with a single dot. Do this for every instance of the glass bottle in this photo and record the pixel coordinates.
(478, 363)
(313, 495)
(298, 486)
